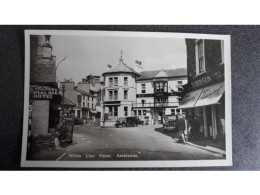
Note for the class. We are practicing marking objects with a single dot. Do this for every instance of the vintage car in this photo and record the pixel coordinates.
(133, 121)
(121, 121)
(170, 122)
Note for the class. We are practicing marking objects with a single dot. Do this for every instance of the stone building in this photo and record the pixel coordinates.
(44, 92)
(205, 95)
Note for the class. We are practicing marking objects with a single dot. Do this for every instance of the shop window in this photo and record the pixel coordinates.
(144, 112)
(115, 81)
(135, 112)
(126, 81)
(143, 88)
(125, 94)
(126, 111)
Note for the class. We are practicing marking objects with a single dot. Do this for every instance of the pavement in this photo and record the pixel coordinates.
(91, 142)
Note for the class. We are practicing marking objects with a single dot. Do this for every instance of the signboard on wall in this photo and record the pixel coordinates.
(208, 79)
(43, 92)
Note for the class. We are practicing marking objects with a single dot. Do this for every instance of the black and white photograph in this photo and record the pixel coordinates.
(126, 99)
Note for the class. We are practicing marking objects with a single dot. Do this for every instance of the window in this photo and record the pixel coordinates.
(92, 99)
(126, 110)
(88, 105)
(83, 97)
(110, 111)
(172, 111)
(144, 112)
(115, 111)
(110, 82)
(110, 97)
(92, 106)
(88, 98)
(79, 105)
(115, 81)
(83, 104)
(179, 86)
(135, 112)
(157, 87)
(125, 94)
(126, 81)
(165, 87)
(161, 87)
(178, 111)
(200, 56)
(139, 112)
(143, 103)
(115, 95)
(143, 88)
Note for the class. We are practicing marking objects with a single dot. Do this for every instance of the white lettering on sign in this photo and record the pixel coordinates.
(43, 92)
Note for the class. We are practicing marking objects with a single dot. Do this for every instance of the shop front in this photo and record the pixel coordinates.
(208, 104)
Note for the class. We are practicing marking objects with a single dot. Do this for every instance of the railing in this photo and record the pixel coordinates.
(165, 104)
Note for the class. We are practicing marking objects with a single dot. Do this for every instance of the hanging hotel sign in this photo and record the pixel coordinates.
(208, 79)
(43, 92)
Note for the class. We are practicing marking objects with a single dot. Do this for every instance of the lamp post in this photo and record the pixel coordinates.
(58, 66)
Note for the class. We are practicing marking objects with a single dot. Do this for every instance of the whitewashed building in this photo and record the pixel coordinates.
(118, 93)
(157, 94)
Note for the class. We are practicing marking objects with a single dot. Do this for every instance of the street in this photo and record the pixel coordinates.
(92, 142)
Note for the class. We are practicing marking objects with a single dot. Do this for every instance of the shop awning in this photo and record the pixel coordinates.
(190, 99)
(207, 96)
(211, 95)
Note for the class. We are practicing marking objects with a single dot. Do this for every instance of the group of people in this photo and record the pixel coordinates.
(188, 128)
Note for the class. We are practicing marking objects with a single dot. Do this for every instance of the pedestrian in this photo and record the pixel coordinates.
(94, 119)
(196, 126)
(183, 127)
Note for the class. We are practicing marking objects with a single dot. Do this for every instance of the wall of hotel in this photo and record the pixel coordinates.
(40, 117)
(148, 86)
(131, 87)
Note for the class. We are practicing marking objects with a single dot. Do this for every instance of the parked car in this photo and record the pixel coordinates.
(170, 122)
(121, 121)
(133, 121)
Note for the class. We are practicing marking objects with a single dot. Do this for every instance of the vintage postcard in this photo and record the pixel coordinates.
(126, 99)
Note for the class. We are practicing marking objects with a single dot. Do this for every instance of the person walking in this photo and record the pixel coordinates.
(183, 127)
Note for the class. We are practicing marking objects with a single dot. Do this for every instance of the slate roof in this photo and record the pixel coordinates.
(68, 102)
(121, 68)
(145, 75)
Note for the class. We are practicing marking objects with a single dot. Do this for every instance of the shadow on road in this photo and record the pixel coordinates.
(172, 134)
(220, 144)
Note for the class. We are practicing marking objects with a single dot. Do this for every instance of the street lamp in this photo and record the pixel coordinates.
(58, 66)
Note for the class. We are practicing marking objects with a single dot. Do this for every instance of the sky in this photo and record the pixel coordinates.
(92, 54)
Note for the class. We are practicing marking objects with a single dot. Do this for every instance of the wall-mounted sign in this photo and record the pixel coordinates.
(43, 92)
(208, 79)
